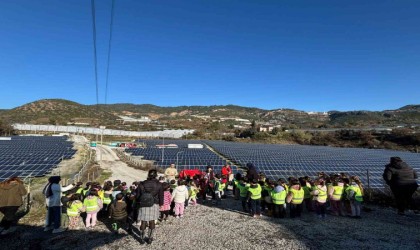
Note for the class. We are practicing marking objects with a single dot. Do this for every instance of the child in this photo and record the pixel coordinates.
(218, 189)
(295, 198)
(108, 199)
(193, 193)
(306, 186)
(223, 185)
(74, 208)
(85, 191)
(355, 195)
(320, 192)
(243, 194)
(132, 212)
(64, 217)
(92, 204)
(266, 201)
(278, 196)
(179, 195)
(254, 197)
(235, 191)
(118, 212)
(335, 194)
(166, 207)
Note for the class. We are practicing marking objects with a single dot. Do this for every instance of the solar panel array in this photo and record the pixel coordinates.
(281, 161)
(35, 156)
(188, 158)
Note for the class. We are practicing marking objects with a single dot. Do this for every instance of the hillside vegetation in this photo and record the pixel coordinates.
(59, 111)
(334, 128)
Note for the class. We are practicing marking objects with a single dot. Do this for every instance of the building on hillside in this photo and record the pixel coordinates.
(265, 128)
(240, 120)
(78, 123)
(129, 119)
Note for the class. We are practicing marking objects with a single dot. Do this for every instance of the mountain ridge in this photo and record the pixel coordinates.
(62, 111)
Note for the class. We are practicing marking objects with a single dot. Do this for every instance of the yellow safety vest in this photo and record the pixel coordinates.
(222, 186)
(243, 190)
(322, 195)
(194, 192)
(297, 196)
(107, 199)
(79, 191)
(73, 210)
(255, 192)
(358, 193)
(278, 198)
(307, 192)
(338, 192)
(101, 194)
(235, 182)
(91, 204)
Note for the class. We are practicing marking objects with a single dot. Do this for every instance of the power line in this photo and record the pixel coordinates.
(94, 50)
(109, 49)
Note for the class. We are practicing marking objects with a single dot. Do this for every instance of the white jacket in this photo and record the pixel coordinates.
(180, 194)
(55, 199)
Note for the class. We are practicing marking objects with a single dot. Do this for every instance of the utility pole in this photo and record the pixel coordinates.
(102, 132)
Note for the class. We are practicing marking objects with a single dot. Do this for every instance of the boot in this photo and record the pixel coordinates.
(142, 237)
(150, 238)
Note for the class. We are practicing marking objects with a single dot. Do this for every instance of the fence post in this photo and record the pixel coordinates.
(368, 183)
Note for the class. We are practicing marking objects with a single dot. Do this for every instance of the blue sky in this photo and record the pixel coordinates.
(307, 55)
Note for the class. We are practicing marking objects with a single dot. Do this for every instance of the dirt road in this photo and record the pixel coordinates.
(108, 160)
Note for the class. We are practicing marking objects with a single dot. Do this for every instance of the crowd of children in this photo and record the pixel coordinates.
(117, 204)
(341, 193)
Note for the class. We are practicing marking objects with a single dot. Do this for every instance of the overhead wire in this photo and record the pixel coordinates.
(109, 50)
(94, 50)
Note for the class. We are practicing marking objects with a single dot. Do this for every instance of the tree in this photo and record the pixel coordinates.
(5, 128)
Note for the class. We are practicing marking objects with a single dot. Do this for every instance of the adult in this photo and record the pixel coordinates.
(171, 172)
(251, 173)
(227, 171)
(149, 213)
(11, 192)
(53, 192)
(209, 180)
(401, 178)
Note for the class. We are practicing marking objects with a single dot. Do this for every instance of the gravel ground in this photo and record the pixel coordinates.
(224, 227)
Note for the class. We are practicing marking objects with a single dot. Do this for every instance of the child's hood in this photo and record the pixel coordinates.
(278, 189)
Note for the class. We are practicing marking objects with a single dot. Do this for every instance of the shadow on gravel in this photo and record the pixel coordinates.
(34, 237)
(379, 228)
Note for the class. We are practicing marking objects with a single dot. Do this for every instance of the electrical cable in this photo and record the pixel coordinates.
(109, 50)
(94, 50)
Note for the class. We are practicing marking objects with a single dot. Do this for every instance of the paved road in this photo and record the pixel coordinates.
(108, 160)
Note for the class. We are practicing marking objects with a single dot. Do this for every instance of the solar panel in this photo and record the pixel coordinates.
(282, 161)
(32, 155)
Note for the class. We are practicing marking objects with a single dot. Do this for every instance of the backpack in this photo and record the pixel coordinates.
(146, 199)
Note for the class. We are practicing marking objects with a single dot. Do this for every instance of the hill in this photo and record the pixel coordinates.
(56, 111)
(59, 111)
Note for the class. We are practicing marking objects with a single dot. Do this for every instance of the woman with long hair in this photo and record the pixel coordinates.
(11, 192)
(53, 192)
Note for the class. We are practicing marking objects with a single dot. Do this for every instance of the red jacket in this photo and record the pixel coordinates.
(226, 170)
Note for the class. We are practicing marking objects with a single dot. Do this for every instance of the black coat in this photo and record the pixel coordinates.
(251, 173)
(400, 174)
(154, 187)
